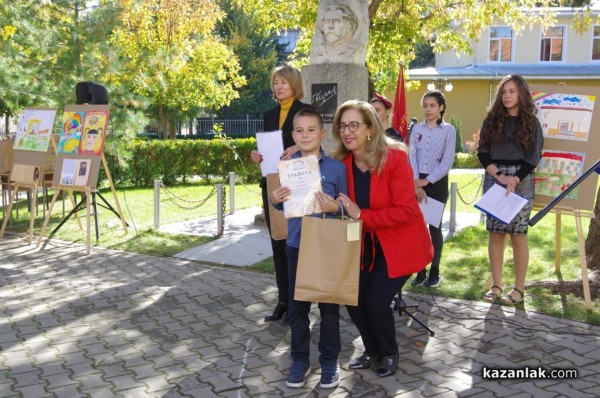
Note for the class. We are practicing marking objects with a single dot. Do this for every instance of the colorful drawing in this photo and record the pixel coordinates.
(34, 129)
(70, 135)
(94, 133)
(556, 172)
(565, 116)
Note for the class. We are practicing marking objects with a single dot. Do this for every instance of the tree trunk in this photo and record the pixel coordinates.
(592, 243)
(172, 129)
(163, 123)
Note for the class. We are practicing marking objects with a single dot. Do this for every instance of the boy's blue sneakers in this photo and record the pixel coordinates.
(330, 375)
(297, 374)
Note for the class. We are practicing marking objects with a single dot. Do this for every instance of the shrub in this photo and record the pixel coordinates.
(143, 161)
(456, 122)
(466, 161)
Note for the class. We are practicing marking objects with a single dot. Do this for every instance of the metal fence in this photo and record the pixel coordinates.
(205, 128)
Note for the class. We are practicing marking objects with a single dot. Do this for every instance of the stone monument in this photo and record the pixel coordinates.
(337, 68)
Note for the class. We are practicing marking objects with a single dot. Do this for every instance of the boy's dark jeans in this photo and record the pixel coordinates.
(329, 339)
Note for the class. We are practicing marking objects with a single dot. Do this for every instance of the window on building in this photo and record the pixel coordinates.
(288, 39)
(501, 42)
(551, 48)
(596, 44)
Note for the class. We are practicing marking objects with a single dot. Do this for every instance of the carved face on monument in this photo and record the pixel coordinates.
(338, 26)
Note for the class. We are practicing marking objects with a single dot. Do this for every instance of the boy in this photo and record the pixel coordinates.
(308, 133)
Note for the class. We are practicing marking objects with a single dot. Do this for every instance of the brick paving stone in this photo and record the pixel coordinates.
(499, 389)
(425, 389)
(530, 388)
(475, 392)
(25, 378)
(6, 389)
(123, 382)
(577, 360)
(156, 383)
(59, 380)
(51, 368)
(567, 391)
(91, 381)
(33, 390)
(102, 392)
(136, 392)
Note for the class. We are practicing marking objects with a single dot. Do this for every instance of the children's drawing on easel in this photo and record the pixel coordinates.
(70, 135)
(556, 172)
(83, 172)
(25, 174)
(565, 116)
(94, 133)
(67, 175)
(34, 129)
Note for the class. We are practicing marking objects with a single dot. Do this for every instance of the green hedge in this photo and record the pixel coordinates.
(140, 162)
(466, 161)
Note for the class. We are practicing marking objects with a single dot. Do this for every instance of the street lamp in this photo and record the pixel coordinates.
(439, 84)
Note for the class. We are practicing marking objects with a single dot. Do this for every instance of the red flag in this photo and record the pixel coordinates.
(399, 118)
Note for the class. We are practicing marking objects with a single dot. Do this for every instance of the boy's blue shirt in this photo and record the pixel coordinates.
(333, 182)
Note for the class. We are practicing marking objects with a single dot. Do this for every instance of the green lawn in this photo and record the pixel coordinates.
(137, 205)
(464, 261)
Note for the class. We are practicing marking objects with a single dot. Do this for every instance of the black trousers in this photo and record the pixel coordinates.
(329, 333)
(437, 191)
(374, 317)
(279, 256)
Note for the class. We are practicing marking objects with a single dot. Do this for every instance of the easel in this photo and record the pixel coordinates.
(33, 187)
(89, 190)
(34, 128)
(578, 214)
(580, 240)
(33, 205)
(90, 201)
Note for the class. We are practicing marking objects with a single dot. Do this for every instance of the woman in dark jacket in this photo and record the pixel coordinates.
(287, 84)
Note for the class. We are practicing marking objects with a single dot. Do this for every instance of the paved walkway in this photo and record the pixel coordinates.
(117, 324)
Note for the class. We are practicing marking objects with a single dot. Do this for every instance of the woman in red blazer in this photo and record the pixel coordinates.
(396, 241)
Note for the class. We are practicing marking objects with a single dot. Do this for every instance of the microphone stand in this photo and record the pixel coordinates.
(401, 306)
(410, 127)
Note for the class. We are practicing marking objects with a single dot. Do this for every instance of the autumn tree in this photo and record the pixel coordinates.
(172, 57)
(257, 54)
(397, 27)
(47, 47)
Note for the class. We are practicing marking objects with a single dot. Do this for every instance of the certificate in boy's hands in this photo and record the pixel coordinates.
(303, 178)
(497, 204)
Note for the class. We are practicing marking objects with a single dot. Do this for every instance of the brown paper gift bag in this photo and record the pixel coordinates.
(278, 220)
(329, 260)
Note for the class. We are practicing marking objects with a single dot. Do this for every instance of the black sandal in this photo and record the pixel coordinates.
(510, 300)
(490, 296)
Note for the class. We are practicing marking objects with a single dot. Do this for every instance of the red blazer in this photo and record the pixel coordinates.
(394, 215)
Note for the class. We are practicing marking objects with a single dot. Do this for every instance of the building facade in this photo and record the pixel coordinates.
(558, 55)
